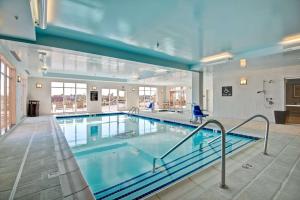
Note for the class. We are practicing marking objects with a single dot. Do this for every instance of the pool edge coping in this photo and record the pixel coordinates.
(248, 135)
(67, 166)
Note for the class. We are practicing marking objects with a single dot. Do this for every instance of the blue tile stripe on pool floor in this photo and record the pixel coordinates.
(171, 173)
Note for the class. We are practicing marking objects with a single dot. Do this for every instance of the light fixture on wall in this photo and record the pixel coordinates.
(243, 81)
(18, 78)
(94, 88)
(38, 85)
(133, 89)
(243, 63)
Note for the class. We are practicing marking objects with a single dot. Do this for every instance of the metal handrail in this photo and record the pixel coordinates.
(223, 133)
(134, 109)
(246, 121)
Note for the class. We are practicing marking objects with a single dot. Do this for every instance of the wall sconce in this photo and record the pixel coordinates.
(133, 89)
(94, 88)
(243, 81)
(18, 78)
(243, 63)
(38, 85)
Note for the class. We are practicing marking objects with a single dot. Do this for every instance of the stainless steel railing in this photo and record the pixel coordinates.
(134, 109)
(246, 121)
(212, 121)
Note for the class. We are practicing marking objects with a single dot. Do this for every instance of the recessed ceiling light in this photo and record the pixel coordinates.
(135, 77)
(161, 70)
(291, 39)
(217, 57)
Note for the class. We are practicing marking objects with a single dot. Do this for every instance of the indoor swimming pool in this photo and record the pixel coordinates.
(115, 152)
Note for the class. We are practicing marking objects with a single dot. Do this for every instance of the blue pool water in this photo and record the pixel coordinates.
(115, 152)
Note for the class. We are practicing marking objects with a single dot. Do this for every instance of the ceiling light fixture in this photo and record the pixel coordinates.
(39, 12)
(217, 57)
(291, 39)
(135, 77)
(42, 56)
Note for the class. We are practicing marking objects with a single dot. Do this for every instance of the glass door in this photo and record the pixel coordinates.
(69, 97)
(112, 100)
(122, 100)
(105, 100)
(57, 97)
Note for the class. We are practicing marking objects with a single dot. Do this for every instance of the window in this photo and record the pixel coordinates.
(68, 97)
(147, 94)
(178, 97)
(113, 100)
(8, 96)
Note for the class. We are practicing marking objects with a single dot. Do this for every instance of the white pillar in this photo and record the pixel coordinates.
(197, 88)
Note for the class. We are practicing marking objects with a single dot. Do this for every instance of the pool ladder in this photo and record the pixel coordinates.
(223, 141)
(134, 110)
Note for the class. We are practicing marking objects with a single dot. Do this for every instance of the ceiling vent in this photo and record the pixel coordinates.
(27, 71)
(15, 55)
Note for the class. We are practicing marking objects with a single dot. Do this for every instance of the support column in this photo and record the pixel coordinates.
(197, 88)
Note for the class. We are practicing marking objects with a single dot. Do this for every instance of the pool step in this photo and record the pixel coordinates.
(149, 182)
(148, 173)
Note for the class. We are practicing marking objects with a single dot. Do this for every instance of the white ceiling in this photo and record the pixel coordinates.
(184, 29)
(65, 64)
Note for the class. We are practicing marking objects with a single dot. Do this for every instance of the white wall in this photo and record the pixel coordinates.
(44, 94)
(245, 101)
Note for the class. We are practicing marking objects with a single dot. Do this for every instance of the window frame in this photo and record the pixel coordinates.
(147, 91)
(64, 86)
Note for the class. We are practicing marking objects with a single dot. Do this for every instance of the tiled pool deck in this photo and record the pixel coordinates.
(36, 163)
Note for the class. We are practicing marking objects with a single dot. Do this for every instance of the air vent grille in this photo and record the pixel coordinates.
(15, 55)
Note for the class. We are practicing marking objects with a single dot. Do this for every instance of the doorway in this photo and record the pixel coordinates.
(113, 100)
(292, 100)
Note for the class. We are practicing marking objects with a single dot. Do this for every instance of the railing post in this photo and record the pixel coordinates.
(266, 137)
(223, 161)
(153, 167)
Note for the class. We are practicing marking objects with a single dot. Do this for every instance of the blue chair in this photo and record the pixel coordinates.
(197, 112)
(151, 106)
